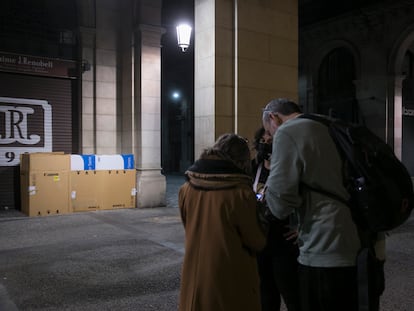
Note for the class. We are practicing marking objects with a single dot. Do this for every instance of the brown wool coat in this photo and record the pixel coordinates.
(222, 236)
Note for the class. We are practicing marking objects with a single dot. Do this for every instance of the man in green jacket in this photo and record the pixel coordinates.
(305, 158)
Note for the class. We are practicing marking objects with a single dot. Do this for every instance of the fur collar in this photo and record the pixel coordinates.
(214, 173)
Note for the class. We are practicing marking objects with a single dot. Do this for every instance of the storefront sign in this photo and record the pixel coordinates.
(408, 112)
(37, 65)
(25, 126)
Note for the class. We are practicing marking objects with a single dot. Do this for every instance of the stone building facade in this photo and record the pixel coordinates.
(97, 64)
(357, 64)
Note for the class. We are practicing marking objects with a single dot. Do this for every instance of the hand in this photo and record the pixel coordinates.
(291, 235)
(261, 216)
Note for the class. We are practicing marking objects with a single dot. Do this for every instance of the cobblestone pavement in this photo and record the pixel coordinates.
(129, 259)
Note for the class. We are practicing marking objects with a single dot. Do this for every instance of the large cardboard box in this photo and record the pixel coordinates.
(114, 162)
(86, 190)
(102, 190)
(44, 161)
(118, 189)
(80, 162)
(44, 181)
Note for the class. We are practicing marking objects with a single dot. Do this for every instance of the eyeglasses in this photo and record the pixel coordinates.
(244, 138)
(269, 111)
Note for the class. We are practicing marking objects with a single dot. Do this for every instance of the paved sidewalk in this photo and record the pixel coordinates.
(128, 259)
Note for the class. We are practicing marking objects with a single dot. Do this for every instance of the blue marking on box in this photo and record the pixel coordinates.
(128, 161)
(88, 161)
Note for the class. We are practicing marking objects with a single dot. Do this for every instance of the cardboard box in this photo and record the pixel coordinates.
(44, 161)
(115, 162)
(79, 162)
(45, 193)
(86, 189)
(102, 190)
(118, 189)
(44, 181)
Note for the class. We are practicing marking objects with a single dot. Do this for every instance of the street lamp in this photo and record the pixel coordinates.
(176, 95)
(183, 36)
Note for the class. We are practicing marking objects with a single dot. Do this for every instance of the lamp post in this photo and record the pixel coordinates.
(183, 36)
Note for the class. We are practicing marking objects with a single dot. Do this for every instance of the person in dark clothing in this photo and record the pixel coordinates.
(218, 209)
(277, 263)
(304, 157)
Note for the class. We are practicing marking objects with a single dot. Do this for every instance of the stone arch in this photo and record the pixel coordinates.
(316, 60)
(394, 88)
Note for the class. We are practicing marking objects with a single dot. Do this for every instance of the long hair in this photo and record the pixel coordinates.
(233, 148)
(258, 136)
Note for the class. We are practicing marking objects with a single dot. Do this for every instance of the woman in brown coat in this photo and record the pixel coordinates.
(218, 210)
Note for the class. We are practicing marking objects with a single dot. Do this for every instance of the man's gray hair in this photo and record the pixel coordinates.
(283, 106)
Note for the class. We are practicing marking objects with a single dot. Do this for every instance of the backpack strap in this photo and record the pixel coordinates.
(363, 266)
(370, 273)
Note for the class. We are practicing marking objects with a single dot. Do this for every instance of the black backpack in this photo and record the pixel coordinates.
(380, 187)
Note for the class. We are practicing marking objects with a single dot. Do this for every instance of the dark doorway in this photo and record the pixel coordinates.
(43, 29)
(177, 90)
(336, 90)
(408, 112)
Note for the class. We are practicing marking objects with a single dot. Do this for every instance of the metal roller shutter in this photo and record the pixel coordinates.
(58, 94)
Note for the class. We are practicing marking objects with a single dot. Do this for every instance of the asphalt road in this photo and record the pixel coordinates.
(128, 259)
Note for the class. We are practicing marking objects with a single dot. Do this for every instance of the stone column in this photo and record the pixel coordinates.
(398, 116)
(87, 36)
(151, 183)
(246, 53)
(105, 70)
(204, 84)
